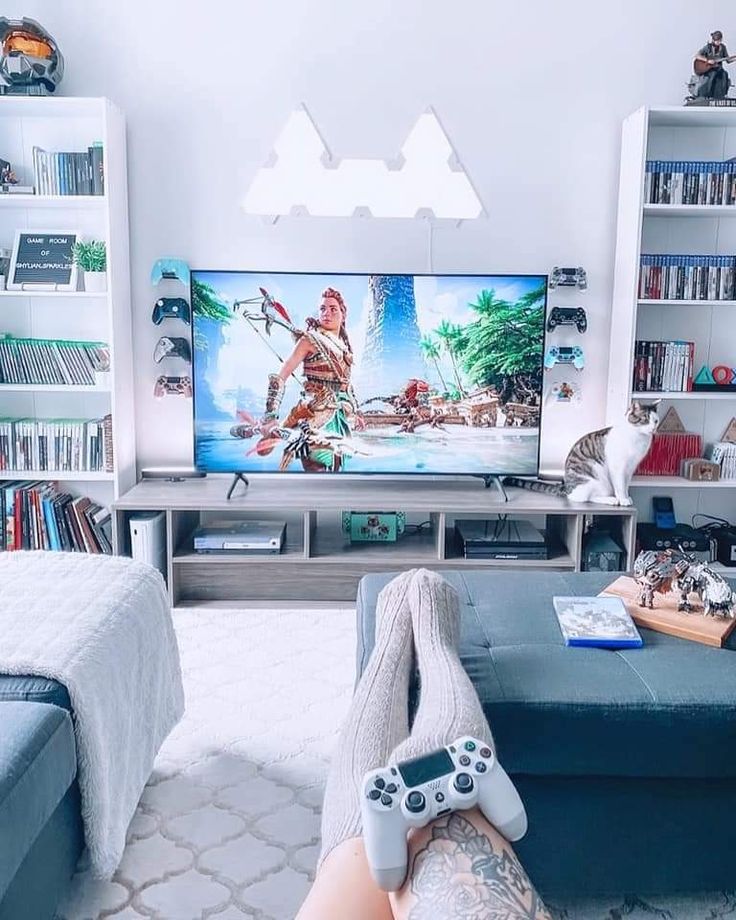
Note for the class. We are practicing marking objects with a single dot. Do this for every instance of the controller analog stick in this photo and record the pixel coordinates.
(415, 802)
(464, 783)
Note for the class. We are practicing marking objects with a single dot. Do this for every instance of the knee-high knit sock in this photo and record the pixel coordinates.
(448, 704)
(378, 718)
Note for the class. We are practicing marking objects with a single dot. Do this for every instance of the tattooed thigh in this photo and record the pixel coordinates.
(466, 870)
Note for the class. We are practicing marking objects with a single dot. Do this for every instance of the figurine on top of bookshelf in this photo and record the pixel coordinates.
(7, 176)
(711, 380)
(711, 80)
(30, 61)
(661, 571)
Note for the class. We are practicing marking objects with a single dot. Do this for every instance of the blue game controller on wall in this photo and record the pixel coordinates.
(564, 354)
(174, 269)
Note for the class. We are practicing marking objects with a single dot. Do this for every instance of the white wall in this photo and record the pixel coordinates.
(532, 95)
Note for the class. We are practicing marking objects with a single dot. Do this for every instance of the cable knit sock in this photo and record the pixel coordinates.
(448, 704)
(378, 717)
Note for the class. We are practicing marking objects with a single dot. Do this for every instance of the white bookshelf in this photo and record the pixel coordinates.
(672, 133)
(59, 123)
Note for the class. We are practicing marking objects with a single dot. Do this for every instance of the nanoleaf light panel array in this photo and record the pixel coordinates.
(302, 177)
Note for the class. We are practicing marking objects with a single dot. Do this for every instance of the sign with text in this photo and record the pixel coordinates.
(43, 260)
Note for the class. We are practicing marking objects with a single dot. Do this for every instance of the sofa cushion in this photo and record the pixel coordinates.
(34, 690)
(667, 709)
(37, 766)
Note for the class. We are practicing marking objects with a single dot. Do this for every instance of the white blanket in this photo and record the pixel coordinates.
(101, 626)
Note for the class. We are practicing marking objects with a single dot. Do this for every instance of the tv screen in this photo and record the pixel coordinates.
(347, 373)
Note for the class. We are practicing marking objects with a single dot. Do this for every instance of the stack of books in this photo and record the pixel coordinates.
(724, 454)
(49, 445)
(687, 277)
(699, 182)
(663, 366)
(37, 515)
(73, 173)
(51, 361)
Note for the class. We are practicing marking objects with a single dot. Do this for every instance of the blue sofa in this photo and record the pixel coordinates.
(626, 761)
(41, 836)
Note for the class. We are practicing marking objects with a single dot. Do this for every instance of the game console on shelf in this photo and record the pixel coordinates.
(172, 386)
(171, 307)
(415, 792)
(564, 354)
(567, 316)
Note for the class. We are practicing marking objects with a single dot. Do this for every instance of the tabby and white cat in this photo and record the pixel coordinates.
(600, 465)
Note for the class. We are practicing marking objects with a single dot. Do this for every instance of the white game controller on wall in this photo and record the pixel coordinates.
(415, 792)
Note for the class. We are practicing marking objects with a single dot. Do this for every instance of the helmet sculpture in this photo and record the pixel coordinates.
(30, 60)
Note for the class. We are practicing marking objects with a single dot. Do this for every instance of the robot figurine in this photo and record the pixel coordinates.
(660, 571)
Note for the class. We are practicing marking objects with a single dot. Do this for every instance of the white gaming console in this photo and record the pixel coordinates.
(148, 538)
(259, 537)
(415, 792)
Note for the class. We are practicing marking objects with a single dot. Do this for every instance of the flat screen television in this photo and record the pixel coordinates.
(348, 373)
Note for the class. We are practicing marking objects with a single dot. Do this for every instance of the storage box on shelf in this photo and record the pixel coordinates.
(318, 563)
(68, 125)
(679, 306)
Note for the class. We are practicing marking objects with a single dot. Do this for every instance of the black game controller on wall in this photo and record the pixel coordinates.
(567, 316)
(171, 307)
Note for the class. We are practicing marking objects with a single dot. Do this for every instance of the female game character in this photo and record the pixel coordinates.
(325, 414)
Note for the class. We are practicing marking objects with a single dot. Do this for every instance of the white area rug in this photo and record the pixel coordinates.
(228, 826)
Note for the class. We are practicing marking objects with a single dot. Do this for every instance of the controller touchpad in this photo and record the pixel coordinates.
(422, 770)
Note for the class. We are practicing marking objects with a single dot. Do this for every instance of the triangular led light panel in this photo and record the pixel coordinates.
(671, 422)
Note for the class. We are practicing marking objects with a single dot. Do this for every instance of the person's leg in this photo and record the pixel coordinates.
(448, 704)
(461, 868)
(376, 722)
(720, 84)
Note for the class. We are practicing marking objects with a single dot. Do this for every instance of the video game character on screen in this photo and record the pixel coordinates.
(437, 374)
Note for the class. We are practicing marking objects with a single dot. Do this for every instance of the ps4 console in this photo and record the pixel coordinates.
(252, 537)
(501, 539)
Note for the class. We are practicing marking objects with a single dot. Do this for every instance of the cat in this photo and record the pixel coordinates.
(600, 465)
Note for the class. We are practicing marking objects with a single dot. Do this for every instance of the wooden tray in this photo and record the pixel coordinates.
(666, 618)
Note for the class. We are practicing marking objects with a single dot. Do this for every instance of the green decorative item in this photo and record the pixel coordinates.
(704, 375)
(91, 257)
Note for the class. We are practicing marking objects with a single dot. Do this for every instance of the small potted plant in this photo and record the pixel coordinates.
(91, 257)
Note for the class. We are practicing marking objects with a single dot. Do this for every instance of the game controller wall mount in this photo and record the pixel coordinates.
(567, 316)
(172, 386)
(415, 792)
(568, 277)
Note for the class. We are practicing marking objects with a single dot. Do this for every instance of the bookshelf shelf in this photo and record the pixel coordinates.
(93, 202)
(53, 388)
(643, 394)
(689, 210)
(58, 475)
(54, 294)
(677, 482)
(651, 302)
(674, 134)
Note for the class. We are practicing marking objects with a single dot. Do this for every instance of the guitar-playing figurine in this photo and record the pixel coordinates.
(712, 80)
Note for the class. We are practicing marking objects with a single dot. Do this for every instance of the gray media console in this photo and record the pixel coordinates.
(319, 564)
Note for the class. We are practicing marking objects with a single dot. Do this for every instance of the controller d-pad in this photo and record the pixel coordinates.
(464, 783)
(469, 745)
(386, 799)
(379, 782)
(374, 794)
(480, 767)
(464, 760)
(415, 802)
(485, 752)
(392, 787)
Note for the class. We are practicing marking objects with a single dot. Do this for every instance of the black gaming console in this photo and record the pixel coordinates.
(501, 539)
(681, 535)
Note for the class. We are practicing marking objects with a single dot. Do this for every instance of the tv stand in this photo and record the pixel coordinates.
(319, 565)
(237, 477)
(489, 481)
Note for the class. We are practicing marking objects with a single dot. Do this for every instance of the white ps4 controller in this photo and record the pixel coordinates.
(415, 792)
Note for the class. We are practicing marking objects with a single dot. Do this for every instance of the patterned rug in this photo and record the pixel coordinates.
(228, 825)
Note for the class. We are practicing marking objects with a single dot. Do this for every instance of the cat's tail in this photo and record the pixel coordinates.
(536, 485)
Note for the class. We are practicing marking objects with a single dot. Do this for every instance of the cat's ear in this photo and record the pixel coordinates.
(635, 405)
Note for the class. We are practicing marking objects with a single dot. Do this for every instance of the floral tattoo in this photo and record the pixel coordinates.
(459, 875)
